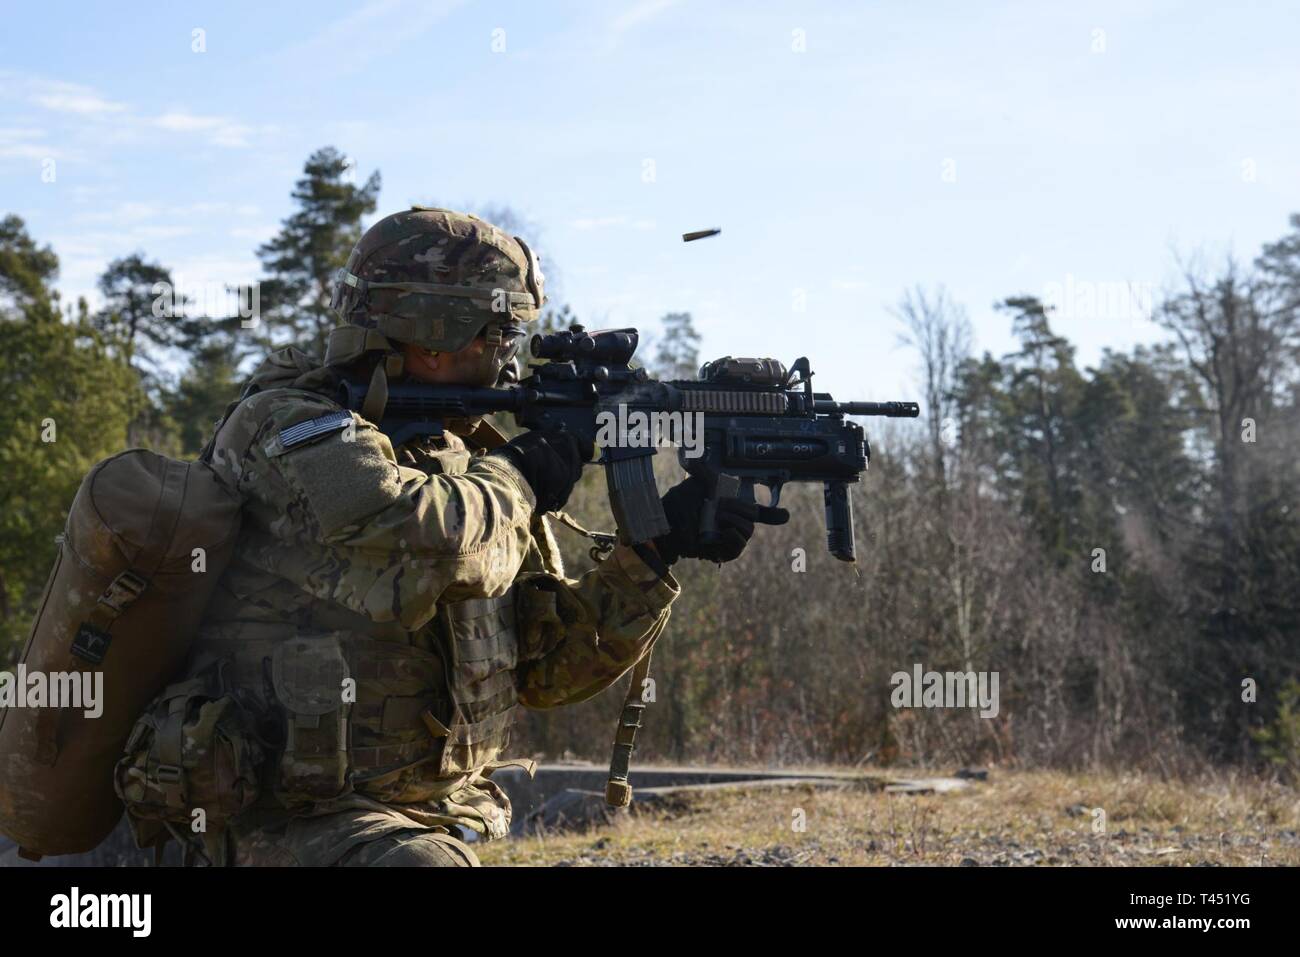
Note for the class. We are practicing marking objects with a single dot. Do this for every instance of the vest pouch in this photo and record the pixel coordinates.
(313, 688)
(482, 639)
(195, 748)
(402, 700)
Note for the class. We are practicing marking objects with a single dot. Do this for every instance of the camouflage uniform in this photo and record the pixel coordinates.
(386, 609)
(423, 576)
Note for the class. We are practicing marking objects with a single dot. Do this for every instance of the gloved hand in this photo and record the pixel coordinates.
(682, 504)
(551, 463)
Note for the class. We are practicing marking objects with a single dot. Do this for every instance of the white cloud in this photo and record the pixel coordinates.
(86, 103)
(161, 232)
(81, 193)
(632, 17)
(26, 143)
(58, 96)
(639, 13)
(375, 30)
(220, 130)
(129, 216)
(192, 209)
(179, 122)
(36, 151)
(83, 102)
(234, 135)
(122, 214)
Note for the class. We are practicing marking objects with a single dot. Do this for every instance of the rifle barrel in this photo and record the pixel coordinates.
(894, 410)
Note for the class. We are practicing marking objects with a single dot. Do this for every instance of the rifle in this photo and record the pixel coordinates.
(759, 424)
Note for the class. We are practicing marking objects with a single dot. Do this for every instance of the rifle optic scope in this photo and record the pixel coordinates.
(605, 346)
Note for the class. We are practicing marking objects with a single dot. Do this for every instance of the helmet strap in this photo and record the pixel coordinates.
(395, 365)
(376, 395)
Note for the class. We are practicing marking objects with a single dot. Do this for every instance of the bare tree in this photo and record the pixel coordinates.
(938, 329)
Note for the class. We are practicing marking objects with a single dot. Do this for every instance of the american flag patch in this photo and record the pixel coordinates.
(306, 431)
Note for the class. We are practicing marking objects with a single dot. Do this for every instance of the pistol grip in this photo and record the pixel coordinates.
(839, 521)
(724, 486)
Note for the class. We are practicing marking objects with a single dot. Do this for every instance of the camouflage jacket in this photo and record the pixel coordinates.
(420, 578)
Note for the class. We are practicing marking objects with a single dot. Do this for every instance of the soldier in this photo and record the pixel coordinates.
(389, 607)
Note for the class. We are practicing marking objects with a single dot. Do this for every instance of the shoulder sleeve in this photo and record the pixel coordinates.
(335, 477)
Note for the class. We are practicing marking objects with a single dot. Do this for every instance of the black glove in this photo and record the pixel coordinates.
(551, 462)
(682, 505)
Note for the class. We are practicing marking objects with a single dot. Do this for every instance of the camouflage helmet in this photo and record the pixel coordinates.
(437, 278)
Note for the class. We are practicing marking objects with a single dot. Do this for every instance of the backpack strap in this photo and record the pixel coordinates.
(206, 455)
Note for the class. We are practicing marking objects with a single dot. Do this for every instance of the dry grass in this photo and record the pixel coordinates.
(1015, 818)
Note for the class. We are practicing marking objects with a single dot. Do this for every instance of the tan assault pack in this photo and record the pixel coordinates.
(146, 540)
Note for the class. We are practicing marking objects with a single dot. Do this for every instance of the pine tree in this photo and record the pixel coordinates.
(312, 245)
(678, 353)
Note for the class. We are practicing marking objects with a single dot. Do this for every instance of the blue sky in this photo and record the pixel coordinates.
(846, 150)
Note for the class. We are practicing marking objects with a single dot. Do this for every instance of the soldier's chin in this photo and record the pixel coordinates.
(421, 365)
